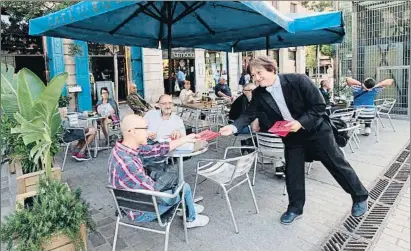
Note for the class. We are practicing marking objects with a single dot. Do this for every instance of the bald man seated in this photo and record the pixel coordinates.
(126, 170)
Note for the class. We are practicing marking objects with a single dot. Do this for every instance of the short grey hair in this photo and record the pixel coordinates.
(250, 85)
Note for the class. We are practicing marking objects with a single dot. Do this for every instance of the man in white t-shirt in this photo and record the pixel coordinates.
(163, 124)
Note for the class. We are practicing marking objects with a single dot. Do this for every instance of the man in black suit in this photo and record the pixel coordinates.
(294, 98)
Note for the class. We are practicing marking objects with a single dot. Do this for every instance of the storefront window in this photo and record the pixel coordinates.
(101, 59)
(215, 67)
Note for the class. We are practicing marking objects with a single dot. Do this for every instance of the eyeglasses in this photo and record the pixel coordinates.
(247, 90)
(138, 128)
(104, 93)
(166, 103)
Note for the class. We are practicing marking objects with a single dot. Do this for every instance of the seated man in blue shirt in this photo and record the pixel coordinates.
(222, 90)
(364, 94)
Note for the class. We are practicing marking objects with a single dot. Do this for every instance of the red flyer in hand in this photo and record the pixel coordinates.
(280, 129)
(208, 135)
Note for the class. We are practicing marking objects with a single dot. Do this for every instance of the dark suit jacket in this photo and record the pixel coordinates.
(303, 99)
(238, 107)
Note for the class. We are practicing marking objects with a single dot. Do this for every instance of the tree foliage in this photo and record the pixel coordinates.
(20, 12)
(325, 49)
(26, 10)
(318, 6)
(311, 56)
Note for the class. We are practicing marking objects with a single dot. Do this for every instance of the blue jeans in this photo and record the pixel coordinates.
(245, 130)
(165, 204)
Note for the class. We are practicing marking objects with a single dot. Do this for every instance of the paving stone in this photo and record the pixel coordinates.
(120, 245)
(94, 211)
(96, 239)
(105, 247)
(404, 244)
(98, 216)
(108, 230)
(3, 179)
(104, 222)
(5, 190)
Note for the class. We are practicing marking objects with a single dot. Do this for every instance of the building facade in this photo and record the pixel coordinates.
(378, 45)
(93, 65)
(289, 60)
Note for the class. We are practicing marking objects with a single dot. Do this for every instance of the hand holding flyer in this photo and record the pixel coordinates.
(208, 135)
(280, 128)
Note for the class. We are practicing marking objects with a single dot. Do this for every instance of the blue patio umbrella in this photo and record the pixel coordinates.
(309, 29)
(175, 23)
(155, 23)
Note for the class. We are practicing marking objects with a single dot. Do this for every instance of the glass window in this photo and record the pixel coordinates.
(291, 55)
(293, 7)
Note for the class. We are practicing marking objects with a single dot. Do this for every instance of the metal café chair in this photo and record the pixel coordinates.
(73, 125)
(146, 200)
(384, 107)
(368, 114)
(350, 116)
(224, 171)
(271, 147)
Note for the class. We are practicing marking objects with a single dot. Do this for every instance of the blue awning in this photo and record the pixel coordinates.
(309, 28)
(145, 23)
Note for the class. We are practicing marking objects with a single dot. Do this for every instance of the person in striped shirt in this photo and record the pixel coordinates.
(126, 169)
(365, 93)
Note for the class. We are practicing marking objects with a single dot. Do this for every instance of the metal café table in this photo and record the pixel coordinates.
(93, 121)
(180, 155)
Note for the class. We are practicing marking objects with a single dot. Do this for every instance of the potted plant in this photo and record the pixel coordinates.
(63, 103)
(37, 123)
(58, 216)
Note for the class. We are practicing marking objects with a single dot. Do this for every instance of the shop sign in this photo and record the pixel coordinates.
(180, 53)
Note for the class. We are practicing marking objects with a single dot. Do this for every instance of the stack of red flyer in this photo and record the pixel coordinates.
(208, 135)
(280, 129)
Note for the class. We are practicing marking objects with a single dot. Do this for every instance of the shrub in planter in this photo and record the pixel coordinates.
(56, 213)
(38, 120)
(22, 93)
(63, 103)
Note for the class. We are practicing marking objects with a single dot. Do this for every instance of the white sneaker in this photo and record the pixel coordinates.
(199, 209)
(200, 221)
(367, 131)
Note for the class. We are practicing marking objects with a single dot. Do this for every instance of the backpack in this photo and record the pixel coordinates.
(340, 137)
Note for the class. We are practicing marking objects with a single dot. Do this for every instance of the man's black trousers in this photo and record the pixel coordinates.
(318, 144)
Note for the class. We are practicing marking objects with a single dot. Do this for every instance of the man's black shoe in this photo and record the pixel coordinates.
(289, 217)
(280, 171)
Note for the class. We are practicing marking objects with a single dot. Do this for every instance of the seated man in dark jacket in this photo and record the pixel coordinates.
(222, 90)
(240, 105)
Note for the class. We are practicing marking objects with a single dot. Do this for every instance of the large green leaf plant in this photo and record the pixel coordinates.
(38, 120)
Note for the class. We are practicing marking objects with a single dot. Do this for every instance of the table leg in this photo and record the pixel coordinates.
(96, 139)
(181, 168)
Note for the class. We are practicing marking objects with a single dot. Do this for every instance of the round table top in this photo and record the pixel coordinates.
(188, 154)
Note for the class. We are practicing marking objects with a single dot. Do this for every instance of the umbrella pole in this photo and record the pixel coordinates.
(267, 44)
(169, 25)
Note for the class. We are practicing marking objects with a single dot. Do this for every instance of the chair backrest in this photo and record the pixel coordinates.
(346, 114)
(244, 163)
(73, 119)
(367, 113)
(269, 142)
(110, 87)
(131, 200)
(387, 105)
